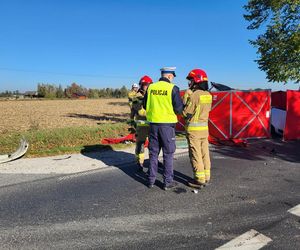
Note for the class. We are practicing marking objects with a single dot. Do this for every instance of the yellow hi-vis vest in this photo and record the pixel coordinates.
(159, 108)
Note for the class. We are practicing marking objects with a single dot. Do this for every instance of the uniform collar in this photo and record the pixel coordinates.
(164, 79)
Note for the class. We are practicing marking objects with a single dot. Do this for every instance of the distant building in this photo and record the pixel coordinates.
(31, 94)
(79, 96)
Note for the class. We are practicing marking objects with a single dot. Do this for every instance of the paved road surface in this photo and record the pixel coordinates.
(251, 193)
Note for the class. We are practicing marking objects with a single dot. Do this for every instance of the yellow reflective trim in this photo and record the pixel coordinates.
(142, 112)
(207, 171)
(199, 174)
(142, 155)
(142, 125)
(197, 128)
(197, 124)
(205, 99)
(197, 114)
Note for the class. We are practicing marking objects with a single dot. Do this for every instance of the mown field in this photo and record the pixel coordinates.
(60, 126)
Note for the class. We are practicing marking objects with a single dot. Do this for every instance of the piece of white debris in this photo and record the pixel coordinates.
(195, 191)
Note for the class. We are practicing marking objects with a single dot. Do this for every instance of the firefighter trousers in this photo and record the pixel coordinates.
(141, 135)
(199, 156)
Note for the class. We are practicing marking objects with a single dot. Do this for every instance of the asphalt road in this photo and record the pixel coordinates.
(252, 188)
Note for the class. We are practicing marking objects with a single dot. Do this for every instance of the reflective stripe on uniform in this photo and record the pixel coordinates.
(207, 172)
(141, 123)
(142, 112)
(205, 99)
(200, 176)
(140, 156)
(197, 126)
(197, 113)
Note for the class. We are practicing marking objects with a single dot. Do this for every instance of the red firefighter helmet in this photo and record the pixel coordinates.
(145, 80)
(197, 75)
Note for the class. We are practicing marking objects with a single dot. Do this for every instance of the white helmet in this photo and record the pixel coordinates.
(135, 85)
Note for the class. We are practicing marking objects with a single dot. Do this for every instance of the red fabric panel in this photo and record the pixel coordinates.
(292, 124)
(181, 122)
(130, 137)
(279, 100)
(251, 114)
(219, 117)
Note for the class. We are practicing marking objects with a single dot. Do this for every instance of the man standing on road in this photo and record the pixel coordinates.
(142, 126)
(196, 114)
(162, 103)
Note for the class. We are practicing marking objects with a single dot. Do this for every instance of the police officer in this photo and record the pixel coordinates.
(196, 114)
(142, 126)
(162, 103)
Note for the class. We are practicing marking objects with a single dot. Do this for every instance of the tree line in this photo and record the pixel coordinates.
(9, 93)
(52, 91)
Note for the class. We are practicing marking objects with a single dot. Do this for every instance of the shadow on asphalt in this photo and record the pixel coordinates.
(123, 160)
(261, 149)
(126, 163)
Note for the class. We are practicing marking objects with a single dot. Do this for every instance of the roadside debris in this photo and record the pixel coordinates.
(17, 154)
(65, 158)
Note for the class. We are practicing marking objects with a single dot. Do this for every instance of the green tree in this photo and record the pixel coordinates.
(93, 93)
(47, 90)
(73, 89)
(60, 92)
(41, 89)
(102, 93)
(6, 94)
(51, 91)
(109, 92)
(279, 46)
(124, 91)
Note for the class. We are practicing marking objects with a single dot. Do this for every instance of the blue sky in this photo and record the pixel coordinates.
(112, 43)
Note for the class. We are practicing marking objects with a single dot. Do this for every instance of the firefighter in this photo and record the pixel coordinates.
(162, 103)
(142, 127)
(131, 94)
(196, 114)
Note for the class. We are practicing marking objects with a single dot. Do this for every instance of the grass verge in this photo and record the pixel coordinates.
(47, 142)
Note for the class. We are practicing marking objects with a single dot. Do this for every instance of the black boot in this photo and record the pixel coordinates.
(170, 186)
(196, 184)
(139, 167)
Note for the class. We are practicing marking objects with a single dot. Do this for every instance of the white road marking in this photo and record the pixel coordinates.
(251, 240)
(295, 210)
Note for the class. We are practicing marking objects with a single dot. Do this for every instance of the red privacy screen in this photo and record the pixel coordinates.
(238, 115)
